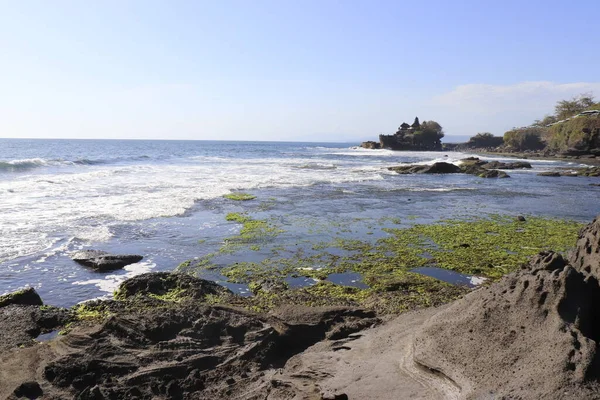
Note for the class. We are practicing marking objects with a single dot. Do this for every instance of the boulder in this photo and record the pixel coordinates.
(27, 296)
(103, 261)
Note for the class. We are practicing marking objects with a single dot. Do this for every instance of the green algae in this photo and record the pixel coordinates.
(173, 296)
(252, 230)
(489, 246)
(239, 196)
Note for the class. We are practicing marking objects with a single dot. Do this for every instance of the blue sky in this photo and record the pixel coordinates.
(288, 70)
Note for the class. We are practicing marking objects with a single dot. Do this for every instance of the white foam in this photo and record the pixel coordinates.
(109, 283)
(477, 280)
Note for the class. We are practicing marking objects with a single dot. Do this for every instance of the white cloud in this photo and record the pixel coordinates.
(473, 108)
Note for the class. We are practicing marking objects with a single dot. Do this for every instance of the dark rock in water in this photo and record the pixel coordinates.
(549, 173)
(30, 390)
(536, 323)
(509, 165)
(521, 218)
(103, 261)
(594, 184)
(436, 168)
(370, 145)
(163, 283)
(27, 296)
(492, 173)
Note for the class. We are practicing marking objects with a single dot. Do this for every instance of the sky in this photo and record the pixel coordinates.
(303, 70)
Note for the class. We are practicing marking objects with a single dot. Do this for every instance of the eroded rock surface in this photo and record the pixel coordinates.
(534, 334)
(161, 340)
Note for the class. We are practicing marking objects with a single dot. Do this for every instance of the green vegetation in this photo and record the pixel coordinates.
(484, 140)
(529, 138)
(578, 133)
(239, 196)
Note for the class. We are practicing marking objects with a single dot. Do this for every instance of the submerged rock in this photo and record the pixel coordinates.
(506, 165)
(492, 173)
(509, 338)
(27, 296)
(550, 173)
(103, 261)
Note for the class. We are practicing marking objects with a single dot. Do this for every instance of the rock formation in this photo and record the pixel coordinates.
(532, 335)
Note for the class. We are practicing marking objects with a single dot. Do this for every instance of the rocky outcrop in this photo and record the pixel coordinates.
(436, 168)
(370, 145)
(534, 334)
(472, 168)
(27, 296)
(102, 261)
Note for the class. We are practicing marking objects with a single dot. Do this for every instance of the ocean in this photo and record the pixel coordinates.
(164, 200)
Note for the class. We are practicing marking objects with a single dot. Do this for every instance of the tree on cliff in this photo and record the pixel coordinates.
(568, 108)
(485, 139)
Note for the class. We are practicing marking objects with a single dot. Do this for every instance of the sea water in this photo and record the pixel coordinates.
(164, 200)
